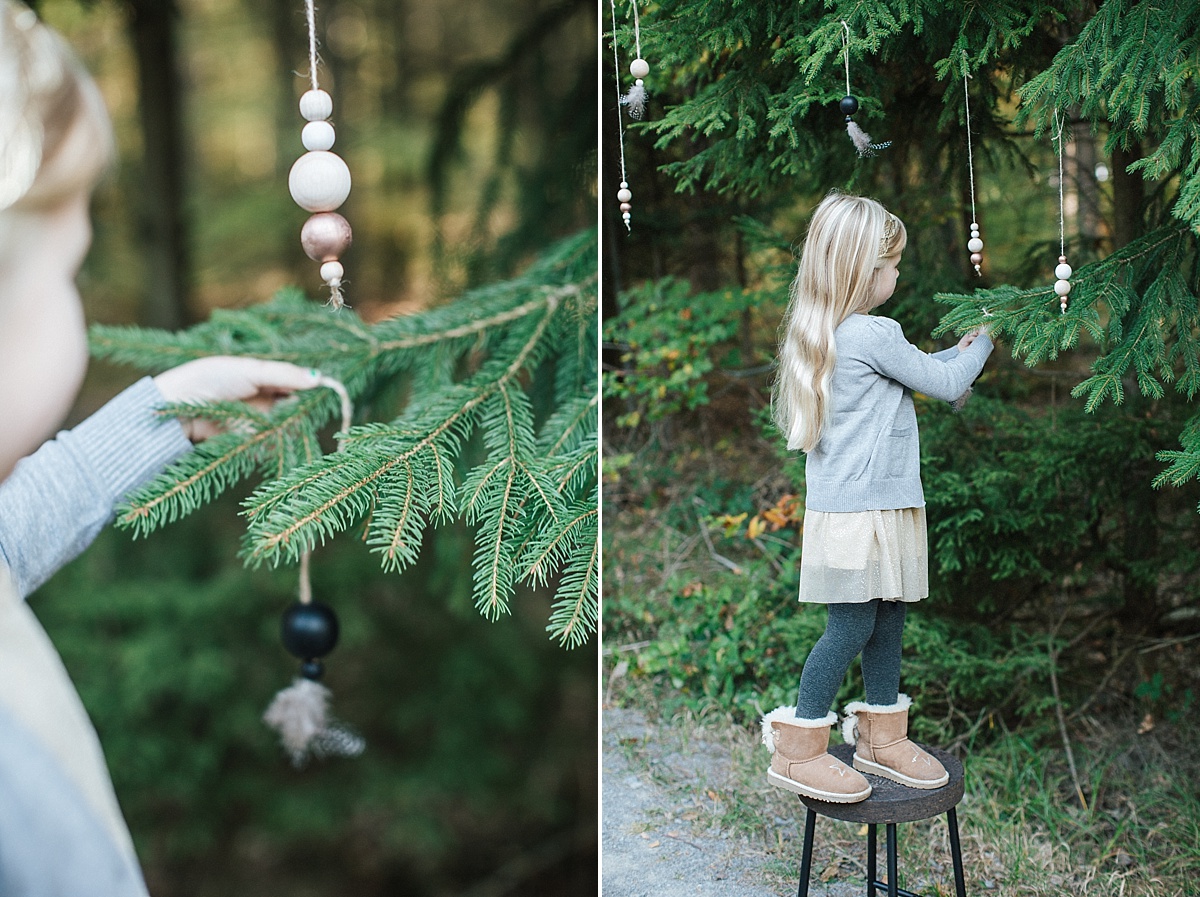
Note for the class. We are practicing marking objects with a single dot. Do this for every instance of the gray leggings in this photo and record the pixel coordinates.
(874, 629)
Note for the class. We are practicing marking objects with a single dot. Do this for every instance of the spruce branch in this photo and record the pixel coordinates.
(397, 478)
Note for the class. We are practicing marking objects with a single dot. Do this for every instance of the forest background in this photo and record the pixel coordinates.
(461, 125)
(1058, 650)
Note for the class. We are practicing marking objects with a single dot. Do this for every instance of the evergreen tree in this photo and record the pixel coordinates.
(513, 362)
(751, 109)
(744, 128)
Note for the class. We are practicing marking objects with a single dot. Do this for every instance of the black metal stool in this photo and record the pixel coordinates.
(890, 803)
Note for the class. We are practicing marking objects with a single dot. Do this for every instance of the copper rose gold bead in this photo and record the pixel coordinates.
(325, 236)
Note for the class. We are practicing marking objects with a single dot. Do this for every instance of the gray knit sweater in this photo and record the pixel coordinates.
(52, 842)
(869, 456)
(59, 498)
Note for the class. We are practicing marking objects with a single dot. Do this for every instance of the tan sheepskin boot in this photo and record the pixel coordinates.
(801, 762)
(880, 735)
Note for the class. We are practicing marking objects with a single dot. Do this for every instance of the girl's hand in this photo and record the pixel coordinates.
(224, 378)
(968, 338)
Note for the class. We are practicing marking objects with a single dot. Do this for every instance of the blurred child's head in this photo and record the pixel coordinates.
(850, 240)
(55, 142)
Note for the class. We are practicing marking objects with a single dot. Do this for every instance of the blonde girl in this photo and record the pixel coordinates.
(844, 396)
(61, 829)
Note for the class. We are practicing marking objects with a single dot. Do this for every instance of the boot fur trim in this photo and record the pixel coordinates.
(850, 723)
(786, 713)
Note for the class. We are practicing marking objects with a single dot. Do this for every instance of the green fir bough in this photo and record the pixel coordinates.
(514, 361)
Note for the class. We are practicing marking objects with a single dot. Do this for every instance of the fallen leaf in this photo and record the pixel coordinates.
(831, 871)
(1147, 724)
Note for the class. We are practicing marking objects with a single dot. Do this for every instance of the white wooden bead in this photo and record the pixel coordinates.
(317, 135)
(316, 105)
(1063, 271)
(975, 244)
(319, 181)
(623, 185)
(1062, 287)
(624, 195)
(332, 271)
(639, 68)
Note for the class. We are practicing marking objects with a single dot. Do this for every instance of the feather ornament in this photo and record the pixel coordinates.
(300, 714)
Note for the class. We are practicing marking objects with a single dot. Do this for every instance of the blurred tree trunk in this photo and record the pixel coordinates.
(1141, 536)
(162, 222)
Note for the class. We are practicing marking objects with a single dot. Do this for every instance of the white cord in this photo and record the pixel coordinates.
(970, 156)
(620, 120)
(312, 42)
(347, 414)
(1062, 230)
(637, 31)
(846, 49)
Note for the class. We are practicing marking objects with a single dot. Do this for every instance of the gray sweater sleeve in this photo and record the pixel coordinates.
(59, 498)
(942, 378)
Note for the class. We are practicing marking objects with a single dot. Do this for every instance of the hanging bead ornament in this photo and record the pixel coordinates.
(974, 243)
(320, 180)
(309, 629)
(624, 194)
(1063, 271)
(849, 106)
(635, 100)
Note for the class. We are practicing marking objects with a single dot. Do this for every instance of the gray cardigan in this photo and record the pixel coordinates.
(52, 842)
(868, 457)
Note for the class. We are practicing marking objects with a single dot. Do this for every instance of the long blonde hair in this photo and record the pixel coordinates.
(55, 135)
(849, 240)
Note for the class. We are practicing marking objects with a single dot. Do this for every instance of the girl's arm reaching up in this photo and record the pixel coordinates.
(57, 500)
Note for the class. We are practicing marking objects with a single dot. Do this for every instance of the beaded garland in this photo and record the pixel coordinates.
(1062, 271)
(320, 180)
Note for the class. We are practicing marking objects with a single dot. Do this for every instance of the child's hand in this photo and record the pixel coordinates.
(224, 378)
(968, 338)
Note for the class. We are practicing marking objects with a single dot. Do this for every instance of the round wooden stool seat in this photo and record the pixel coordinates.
(890, 802)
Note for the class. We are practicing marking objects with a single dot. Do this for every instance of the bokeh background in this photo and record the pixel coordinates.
(469, 129)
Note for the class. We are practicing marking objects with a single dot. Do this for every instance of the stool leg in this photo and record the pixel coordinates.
(810, 825)
(960, 886)
(893, 873)
(872, 872)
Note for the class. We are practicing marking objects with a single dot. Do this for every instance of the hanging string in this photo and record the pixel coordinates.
(1062, 285)
(311, 12)
(300, 712)
(1062, 228)
(637, 32)
(846, 52)
(624, 195)
(305, 589)
(974, 242)
(849, 105)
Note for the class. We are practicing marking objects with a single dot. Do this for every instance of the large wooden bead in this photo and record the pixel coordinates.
(316, 105)
(639, 68)
(325, 236)
(319, 181)
(310, 630)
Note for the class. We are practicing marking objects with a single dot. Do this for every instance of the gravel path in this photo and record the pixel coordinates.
(650, 847)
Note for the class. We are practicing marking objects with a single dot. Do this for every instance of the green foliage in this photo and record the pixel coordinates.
(527, 347)
(174, 646)
(669, 338)
(739, 641)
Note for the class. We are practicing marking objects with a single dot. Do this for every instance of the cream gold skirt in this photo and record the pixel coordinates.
(857, 556)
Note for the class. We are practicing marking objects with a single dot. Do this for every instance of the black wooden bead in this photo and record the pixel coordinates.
(309, 630)
(848, 105)
(312, 669)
